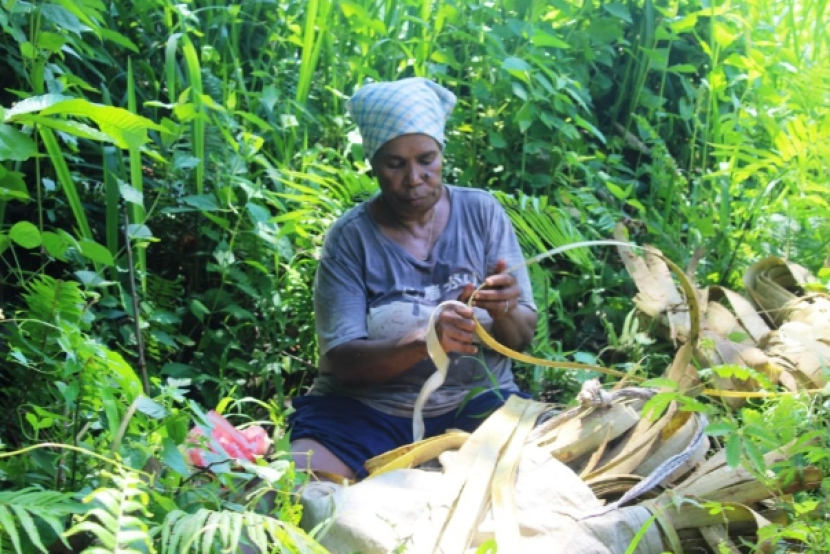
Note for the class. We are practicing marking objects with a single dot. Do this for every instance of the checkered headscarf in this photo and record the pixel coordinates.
(387, 110)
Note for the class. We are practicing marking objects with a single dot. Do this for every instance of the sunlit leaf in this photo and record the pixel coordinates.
(618, 10)
(34, 104)
(541, 38)
(96, 252)
(25, 234)
(12, 186)
(150, 407)
(733, 450)
(15, 145)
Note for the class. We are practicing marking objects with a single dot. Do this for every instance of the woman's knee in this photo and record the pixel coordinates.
(310, 455)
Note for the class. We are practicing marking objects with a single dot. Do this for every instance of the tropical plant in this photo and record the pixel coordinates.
(168, 172)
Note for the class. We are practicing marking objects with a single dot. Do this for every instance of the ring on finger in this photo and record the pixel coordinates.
(506, 306)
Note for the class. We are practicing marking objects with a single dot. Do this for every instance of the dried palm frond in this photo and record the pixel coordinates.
(774, 284)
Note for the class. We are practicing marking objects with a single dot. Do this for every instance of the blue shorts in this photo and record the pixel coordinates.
(354, 432)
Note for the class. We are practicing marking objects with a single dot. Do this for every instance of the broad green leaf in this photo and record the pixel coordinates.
(199, 309)
(62, 18)
(172, 457)
(519, 91)
(176, 427)
(754, 455)
(34, 104)
(15, 145)
(74, 128)
(657, 404)
(150, 407)
(204, 202)
(686, 24)
(85, 10)
(54, 244)
(5, 242)
(140, 231)
(517, 67)
(496, 140)
(257, 213)
(25, 234)
(92, 279)
(541, 38)
(117, 38)
(723, 36)
(12, 186)
(131, 194)
(52, 42)
(636, 204)
(28, 50)
(588, 126)
(96, 252)
(720, 428)
(128, 381)
(585, 358)
(733, 450)
(125, 128)
(682, 68)
(618, 10)
(618, 192)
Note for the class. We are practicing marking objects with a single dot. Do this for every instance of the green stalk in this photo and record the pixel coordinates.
(194, 72)
(170, 69)
(65, 179)
(793, 29)
(306, 65)
(137, 213)
(109, 157)
(820, 31)
(424, 46)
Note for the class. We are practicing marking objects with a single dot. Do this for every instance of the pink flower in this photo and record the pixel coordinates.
(239, 445)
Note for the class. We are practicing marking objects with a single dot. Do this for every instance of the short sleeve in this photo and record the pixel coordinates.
(502, 243)
(340, 301)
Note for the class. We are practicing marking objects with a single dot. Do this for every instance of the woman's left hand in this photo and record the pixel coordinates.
(500, 296)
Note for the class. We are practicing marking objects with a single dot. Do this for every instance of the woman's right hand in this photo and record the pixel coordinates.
(456, 329)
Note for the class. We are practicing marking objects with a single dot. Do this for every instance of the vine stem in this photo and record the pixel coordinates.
(139, 339)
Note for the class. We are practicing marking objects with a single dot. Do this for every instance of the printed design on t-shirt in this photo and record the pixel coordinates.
(402, 312)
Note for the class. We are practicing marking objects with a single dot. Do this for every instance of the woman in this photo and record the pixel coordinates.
(385, 265)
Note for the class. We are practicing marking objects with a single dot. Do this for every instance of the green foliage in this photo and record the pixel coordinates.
(117, 518)
(168, 172)
(209, 531)
(28, 514)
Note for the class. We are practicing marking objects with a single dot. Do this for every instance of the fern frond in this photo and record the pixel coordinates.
(23, 507)
(541, 227)
(209, 531)
(165, 294)
(51, 301)
(117, 519)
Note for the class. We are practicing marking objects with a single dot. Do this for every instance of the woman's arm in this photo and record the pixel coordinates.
(514, 324)
(365, 362)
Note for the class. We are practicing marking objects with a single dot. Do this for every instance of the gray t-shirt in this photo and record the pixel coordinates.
(369, 287)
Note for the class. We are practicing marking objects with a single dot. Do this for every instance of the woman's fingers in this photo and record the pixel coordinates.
(455, 329)
(499, 295)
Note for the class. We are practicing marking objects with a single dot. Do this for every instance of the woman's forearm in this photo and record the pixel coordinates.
(515, 329)
(365, 362)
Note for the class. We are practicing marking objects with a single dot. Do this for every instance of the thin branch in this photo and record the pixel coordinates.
(139, 339)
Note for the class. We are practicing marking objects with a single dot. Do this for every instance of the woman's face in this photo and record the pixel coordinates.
(408, 169)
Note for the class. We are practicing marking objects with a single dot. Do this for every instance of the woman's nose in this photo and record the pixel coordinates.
(413, 176)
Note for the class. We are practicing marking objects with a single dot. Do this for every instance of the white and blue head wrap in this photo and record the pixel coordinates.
(387, 110)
